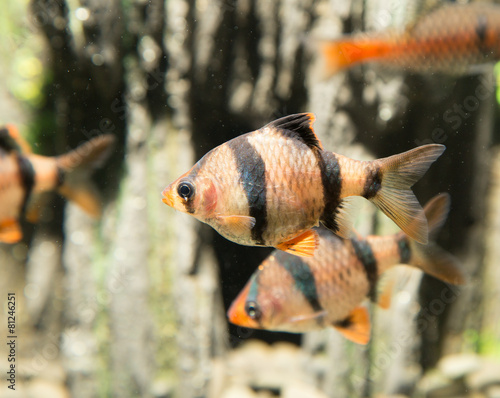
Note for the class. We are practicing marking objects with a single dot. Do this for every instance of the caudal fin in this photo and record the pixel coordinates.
(430, 258)
(396, 175)
(76, 166)
(336, 55)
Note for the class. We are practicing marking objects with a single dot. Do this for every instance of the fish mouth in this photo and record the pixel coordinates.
(168, 196)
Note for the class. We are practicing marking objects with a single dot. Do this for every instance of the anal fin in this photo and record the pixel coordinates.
(302, 245)
(384, 290)
(84, 195)
(341, 222)
(10, 231)
(356, 327)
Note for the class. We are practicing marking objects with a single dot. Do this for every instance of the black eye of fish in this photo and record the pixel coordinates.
(253, 311)
(185, 190)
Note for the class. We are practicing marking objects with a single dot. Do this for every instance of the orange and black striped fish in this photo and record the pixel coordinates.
(293, 294)
(270, 187)
(25, 176)
(452, 38)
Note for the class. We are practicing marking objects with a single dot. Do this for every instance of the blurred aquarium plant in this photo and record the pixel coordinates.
(22, 47)
(497, 75)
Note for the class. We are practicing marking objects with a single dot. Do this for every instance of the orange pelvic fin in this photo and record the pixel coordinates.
(356, 327)
(238, 225)
(395, 198)
(10, 231)
(302, 245)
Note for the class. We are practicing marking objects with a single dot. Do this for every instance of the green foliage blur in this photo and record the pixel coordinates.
(21, 51)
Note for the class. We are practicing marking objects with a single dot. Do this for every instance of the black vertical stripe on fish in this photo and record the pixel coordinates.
(481, 32)
(252, 172)
(189, 204)
(365, 254)
(199, 165)
(7, 142)
(404, 250)
(27, 174)
(303, 278)
(251, 301)
(60, 176)
(373, 182)
(332, 186)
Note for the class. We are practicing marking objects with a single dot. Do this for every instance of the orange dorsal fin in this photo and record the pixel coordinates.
(238, 225)
(302, 245)
(10, 231)
(356, 327)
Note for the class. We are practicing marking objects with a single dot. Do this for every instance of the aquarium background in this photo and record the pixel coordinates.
(134, 305)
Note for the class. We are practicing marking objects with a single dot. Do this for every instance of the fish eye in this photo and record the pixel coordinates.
(253, 311)
(185, 190)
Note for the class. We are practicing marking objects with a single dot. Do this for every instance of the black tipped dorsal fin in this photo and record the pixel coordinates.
(11, 140)
(301, 125)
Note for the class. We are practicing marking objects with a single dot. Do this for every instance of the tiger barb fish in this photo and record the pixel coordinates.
(25, 177)
(270, 187)
(294, 294)
(453, 39)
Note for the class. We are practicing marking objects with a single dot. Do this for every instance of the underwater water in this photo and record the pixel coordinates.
(112, 285)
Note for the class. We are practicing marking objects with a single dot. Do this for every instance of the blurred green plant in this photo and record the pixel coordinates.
(489, 345)
(497, 75)
(22, 52)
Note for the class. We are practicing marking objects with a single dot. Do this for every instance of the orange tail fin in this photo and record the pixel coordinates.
(339, 54)
(431, 258)
(395, 198)
(77, 165)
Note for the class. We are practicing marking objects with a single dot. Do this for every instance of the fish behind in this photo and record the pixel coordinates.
(270, 187)
(25, 176)
(293, 294)
(452, 38)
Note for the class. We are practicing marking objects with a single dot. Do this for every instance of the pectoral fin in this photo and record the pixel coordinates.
(356, 327)
(238, 225)
(308, 317)
(302, 245)
(10, 231)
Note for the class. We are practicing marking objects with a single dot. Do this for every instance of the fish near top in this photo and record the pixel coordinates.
(239, 186)
(270, 187)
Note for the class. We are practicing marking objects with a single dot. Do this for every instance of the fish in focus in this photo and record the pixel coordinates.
(453, 38)
(293, 294)
(25, 176)
(270, 187)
